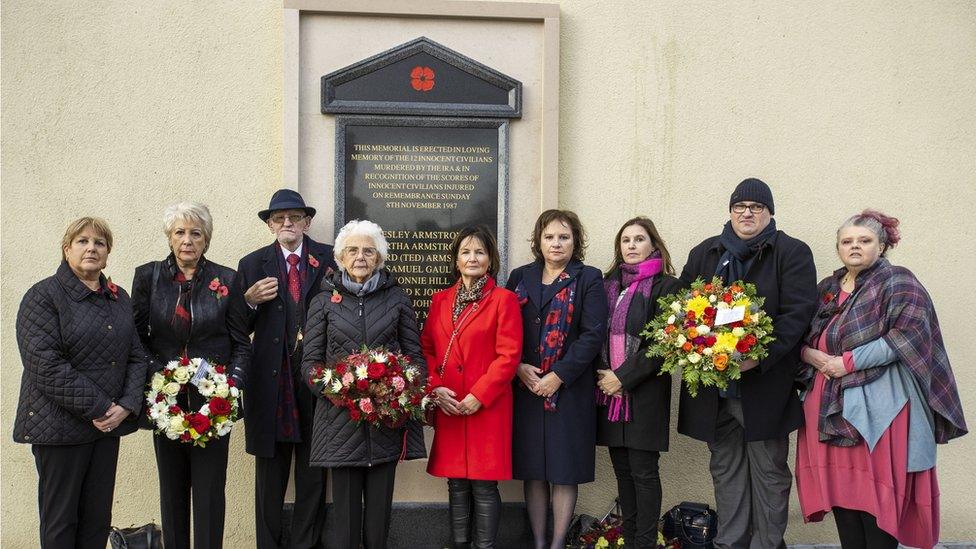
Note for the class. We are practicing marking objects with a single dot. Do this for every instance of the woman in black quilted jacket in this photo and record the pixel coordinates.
(361, 304)
(181, 307)
(81, 389)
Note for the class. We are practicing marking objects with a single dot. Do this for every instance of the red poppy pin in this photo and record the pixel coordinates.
(828, 297)
(422, 78)
(218, 289)
(336, 298)
(312, 261)
(112, 288)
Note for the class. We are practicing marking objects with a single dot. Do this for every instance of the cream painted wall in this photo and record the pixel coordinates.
(118, 108)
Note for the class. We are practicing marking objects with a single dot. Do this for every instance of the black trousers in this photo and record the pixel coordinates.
(354, 488)
(859, 530)
(639, 493)
(75, 487)
(187, 471)
(271, 482)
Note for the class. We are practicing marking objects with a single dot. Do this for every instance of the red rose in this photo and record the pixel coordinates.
(710, 311)
(690, 315)
(355, 415)
(198, 422)
(185, 437)
(220, 369)
(231, 382)
(742, 346)
(751, 339)
(214, 284)
(395, 404)
(710, 341)
(174, 409)
(340, 368)
(375, 370)
(727, 298)
(362, 384)
(160, 397)
(392, 361)
(220, 406)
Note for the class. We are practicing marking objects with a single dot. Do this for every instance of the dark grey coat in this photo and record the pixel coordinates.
(386, 318)
(80, 353)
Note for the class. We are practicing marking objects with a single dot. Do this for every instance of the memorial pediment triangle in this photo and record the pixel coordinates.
(421, 77)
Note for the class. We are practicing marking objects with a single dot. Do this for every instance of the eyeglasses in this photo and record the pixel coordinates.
(755, 208)
(294, 218)
(353, 251)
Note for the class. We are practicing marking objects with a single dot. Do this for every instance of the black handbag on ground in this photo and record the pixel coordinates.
(693, 524)
(147, 536)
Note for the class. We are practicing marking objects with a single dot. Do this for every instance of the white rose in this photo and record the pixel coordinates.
(176, 425)
(222, 390)
(694, 358)
(181, 374)
(738, 332)
(712, 298)
(206, 387)
(682, 361)
(703, 330)
(360, 372)
(224, 427)
(707, 351)
(219, 378)
(676, 306)
(722, 305)
(681, 340)
(171, 388)
(234, 391)
(157, 382)
(671, 319)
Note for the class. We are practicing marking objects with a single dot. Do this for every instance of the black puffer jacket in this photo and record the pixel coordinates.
(80, 353)
(214, 335)
(335, 330)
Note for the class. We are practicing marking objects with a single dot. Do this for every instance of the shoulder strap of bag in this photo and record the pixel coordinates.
(152, 286)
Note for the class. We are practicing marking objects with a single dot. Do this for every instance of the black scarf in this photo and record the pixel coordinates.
(739, 254)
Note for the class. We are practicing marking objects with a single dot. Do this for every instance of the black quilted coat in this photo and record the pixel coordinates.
(80, 353)
(214, 335)
(335, 330)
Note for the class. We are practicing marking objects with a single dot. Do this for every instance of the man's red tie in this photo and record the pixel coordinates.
(294, 281)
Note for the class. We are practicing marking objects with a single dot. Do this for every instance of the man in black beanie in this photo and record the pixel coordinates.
(747, 426)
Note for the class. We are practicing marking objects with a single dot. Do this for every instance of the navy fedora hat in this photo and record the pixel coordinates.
(286, 199)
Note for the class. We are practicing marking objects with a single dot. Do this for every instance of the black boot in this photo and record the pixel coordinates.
(459, 510)
(487, 508)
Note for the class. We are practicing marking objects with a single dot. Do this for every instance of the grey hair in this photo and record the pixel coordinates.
(360, 228)
(193, 212)
(884, 227)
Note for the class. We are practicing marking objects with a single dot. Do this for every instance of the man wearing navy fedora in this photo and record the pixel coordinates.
(275, 285)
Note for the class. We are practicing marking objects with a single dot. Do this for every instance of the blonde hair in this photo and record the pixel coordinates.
(75, 228)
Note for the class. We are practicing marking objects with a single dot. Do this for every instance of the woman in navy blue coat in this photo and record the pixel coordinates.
(564, 319)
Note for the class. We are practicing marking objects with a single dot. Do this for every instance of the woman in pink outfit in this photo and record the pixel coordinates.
(880, 395)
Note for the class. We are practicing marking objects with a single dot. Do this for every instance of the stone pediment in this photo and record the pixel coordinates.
(421, 77)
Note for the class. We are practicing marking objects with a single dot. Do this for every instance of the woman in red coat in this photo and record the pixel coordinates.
(472, 341)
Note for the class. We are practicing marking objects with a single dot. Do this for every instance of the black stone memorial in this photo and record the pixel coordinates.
(422, 150)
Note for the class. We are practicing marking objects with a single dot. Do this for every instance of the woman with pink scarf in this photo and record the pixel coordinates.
(634, 402)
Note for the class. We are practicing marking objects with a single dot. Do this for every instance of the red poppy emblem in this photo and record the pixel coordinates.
(422, 78)
(312, 261)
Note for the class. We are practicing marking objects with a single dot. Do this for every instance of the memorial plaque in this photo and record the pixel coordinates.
(424, 177)
(422, 180)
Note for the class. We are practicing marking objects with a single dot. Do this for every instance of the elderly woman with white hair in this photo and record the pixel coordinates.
(361, 304)
(180, 305)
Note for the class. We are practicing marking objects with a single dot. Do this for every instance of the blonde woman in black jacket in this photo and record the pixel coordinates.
(81, 389)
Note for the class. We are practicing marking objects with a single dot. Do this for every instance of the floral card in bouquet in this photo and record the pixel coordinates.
(708, 330)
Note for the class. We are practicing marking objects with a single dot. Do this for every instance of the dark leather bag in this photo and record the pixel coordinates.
(693, 524)
(147, 536)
